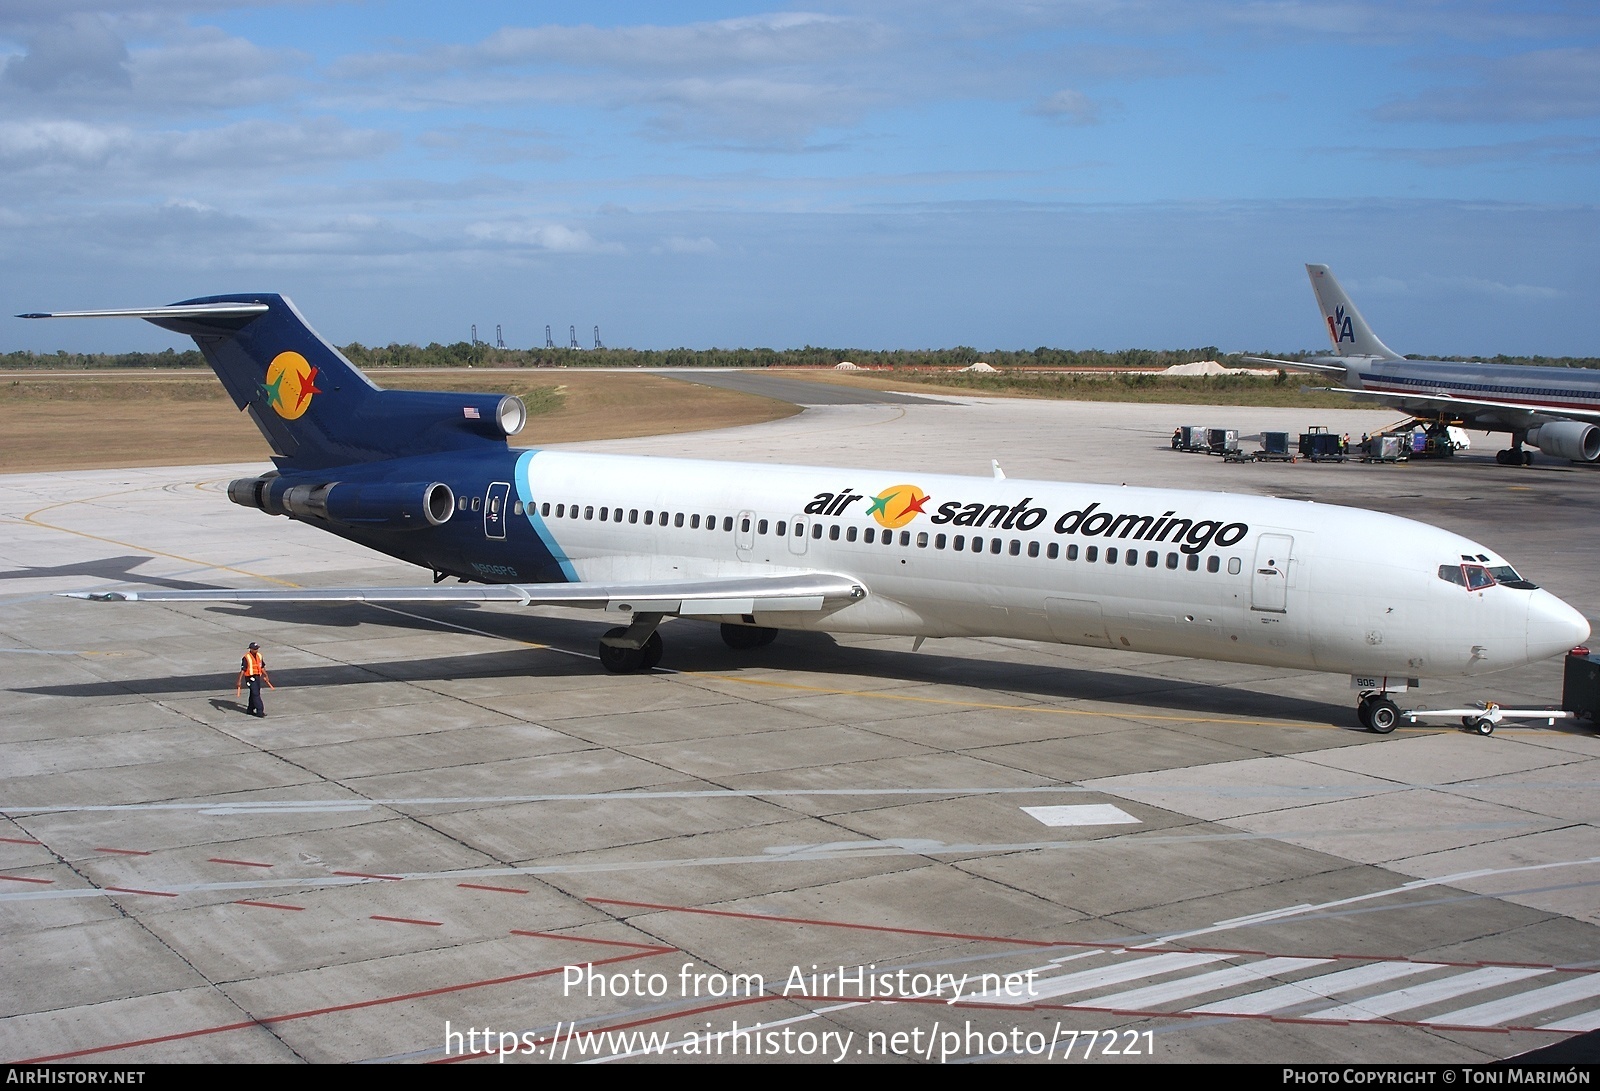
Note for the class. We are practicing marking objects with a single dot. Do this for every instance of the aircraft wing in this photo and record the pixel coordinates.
(807, 591)
(1465, 407)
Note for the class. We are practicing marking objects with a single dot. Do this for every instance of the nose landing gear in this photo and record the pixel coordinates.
(1378, 713)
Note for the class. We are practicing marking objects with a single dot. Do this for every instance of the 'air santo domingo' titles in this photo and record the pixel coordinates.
(898, 505)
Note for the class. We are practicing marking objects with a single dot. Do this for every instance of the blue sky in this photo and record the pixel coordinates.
(1078, 174)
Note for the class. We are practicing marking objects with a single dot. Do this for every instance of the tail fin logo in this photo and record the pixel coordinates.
(289, 385)
(1340, 328)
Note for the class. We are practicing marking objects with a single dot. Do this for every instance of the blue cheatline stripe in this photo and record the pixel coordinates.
(524, 483)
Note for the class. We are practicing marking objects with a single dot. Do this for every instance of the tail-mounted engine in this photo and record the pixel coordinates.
(408, 506)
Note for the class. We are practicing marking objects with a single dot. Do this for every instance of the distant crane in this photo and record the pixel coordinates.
(597, 343)
(474, 333)
(572, 338)
(549, 344)
(499, 342)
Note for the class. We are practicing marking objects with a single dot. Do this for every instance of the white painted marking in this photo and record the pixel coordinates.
(1416, 996)
(1148, 997)
(1116, 974)
(1089, 814)
(1510, 1007)
(1589, 1020)
(1316, 988)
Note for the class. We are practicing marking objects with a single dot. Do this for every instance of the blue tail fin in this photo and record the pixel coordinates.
(313, 406)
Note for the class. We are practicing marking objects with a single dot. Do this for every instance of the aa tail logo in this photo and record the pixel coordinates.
(1340, 328)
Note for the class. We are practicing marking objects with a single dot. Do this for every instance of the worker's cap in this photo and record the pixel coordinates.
(254, 645)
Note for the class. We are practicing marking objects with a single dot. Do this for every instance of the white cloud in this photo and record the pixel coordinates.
(1072, 107)
(541, 236)
(679, 244)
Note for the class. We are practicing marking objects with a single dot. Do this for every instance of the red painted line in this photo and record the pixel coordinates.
(366, 875)
(135, 890)
(405, 920)
(19, 841)
(124, 852)
(652, 947)
(357, 1005)
(496, 889)
(271, 905)
(25, 879)
(241, 863)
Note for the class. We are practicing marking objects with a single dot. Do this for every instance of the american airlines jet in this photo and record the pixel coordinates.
(1555, 409)
(429, 478)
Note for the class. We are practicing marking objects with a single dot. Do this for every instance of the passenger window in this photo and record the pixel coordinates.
(922, 540)
(1072, 553)
(616, 515)
(905, 537)
(995, 545)
(1193, 563)
(1213, 564)
(588, 511)
(603, 512)
(977, 545)
(744, 526)
(938, 541)
(1172, 560)
(1234, 566)
(545, 510)
(870, 536)
(1016, 548)
(816, 530)
(1111, 555)
(1152, 558)
(1091, 554)
(1033, 549)
(462, 504)
(850, 534)
(711, 522)
(633, 515)
(649, 518)
(662, 519)
(677, 520)
(694, 522)
(959, 543)
(781, 529)
(1132, 558)
(761, 527)
(727, 522)
(833, 533)
(1053, 550)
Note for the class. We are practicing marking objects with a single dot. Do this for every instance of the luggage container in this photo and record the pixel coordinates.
(1275, 448)
(1222, 440)
(1320, 445)
(1387, 448)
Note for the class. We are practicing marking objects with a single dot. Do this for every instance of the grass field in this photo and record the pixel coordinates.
(73, 420)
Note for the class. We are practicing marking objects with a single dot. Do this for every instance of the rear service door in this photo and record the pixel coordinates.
(494, 510)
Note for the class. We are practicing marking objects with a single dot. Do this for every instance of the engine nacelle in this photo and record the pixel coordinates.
(1567, 439)
(408, 506)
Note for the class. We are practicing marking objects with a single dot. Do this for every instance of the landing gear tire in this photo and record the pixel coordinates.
(1383, 715)
(1527, 458)
(1483, 726)
(1503, 457)
(624, 660)
(742, 638)
(1364, 713)
(652, 652)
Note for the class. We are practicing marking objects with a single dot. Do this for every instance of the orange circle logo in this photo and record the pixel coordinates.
(897, 505)
(290, 383)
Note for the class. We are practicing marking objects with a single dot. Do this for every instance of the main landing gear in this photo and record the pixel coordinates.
(634, 648)
(1377, 713)
(1515, 455)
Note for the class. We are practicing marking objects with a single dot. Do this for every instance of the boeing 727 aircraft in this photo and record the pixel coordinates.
(1555, 409)
(429, 478)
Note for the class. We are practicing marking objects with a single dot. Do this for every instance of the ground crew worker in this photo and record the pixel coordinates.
(253, 672)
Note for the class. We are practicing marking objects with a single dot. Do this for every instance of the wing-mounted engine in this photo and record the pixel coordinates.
(1567, 439)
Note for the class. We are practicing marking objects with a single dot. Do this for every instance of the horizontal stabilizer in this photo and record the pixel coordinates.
(181, 310)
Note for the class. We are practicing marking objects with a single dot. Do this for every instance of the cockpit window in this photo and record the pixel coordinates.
(1476, 577)
(1507, 576)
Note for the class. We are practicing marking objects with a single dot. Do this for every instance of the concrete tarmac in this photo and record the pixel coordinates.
(455, 832)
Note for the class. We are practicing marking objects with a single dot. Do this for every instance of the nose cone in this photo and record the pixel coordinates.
(1553, 626)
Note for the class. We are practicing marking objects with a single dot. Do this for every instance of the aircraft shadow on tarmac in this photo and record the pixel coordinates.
(111, 569)
(698, 648)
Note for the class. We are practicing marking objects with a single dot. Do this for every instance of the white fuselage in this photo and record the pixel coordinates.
(1207, 575)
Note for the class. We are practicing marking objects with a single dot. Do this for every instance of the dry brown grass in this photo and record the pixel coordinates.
(75, 421)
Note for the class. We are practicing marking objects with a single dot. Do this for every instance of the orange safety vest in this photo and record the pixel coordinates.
(251, 665)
